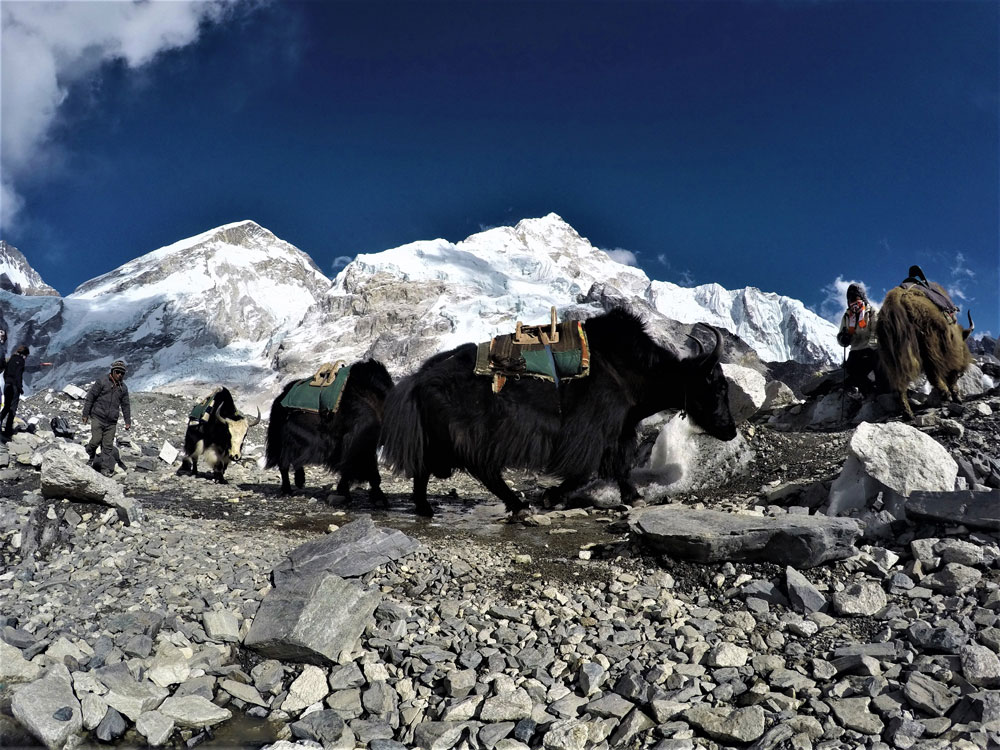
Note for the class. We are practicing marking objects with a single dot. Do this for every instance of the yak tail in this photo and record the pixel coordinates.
(402, 438)
(276, 430)
(972, 326)
(898, 343)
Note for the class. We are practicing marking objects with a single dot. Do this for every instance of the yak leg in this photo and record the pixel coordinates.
(907, 409)
(219, 476)
(554, 495)
(188, 466)
(495, 484)
(628, 490)
(344, 486)
(369, 471)
(300, 477)
(286, 487)
(376, 493)
(952, 381)
(420, 495)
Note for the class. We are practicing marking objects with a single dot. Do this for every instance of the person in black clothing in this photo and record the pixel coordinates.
(3, 360)
(12, 389)
(104, 400)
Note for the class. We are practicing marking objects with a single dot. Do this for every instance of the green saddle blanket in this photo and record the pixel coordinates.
(325, 398)
(201, 409)
(502, 358)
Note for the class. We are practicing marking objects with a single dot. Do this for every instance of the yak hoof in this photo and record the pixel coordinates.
(519, 516)
(219, 479)
(185, 472)
(424, 509)
(377, 496)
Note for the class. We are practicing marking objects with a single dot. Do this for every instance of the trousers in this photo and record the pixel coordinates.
(11, 398)
(102, 436)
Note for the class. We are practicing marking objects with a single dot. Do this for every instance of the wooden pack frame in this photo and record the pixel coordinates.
(537, 334)
(326, 373)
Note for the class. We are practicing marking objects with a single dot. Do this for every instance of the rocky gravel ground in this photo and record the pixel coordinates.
(565, 633)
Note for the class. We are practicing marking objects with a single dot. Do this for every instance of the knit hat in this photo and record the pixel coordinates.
(855, 291)
(118, 365)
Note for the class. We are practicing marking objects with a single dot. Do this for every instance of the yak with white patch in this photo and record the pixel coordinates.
(343, 441)
(215, 433)
(445, 417)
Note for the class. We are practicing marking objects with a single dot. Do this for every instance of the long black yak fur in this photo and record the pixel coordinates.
(345, 442)
(913, 335)
(444, 417)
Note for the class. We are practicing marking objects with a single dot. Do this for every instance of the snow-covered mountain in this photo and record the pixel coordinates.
(423, 297)
(17, 275)
(209, 309)
(238, 306)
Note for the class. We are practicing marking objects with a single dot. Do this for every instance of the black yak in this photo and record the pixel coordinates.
(343, 441)
(913, 335)
(444, 417)
(215, 431)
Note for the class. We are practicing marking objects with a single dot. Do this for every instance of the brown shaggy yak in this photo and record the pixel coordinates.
(914, 335)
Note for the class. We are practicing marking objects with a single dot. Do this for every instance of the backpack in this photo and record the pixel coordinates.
(61, 427)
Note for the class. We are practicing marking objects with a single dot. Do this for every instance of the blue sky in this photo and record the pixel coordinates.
(791, 146)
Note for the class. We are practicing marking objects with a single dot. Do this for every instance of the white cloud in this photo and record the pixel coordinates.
(686, 278)
(340, 261)
(621, 255)
(834, 300)
(960, 275)
(48, 46)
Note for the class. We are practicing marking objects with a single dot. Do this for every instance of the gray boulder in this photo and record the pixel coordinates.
(978, 510)
(48, 708)
(894, 459)
(352, 550)
(713, 536)
(312, 620)
(65, 477)
(684, 457)
(747, 391)
(194, 711)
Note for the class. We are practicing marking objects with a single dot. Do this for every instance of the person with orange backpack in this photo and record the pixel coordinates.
(857, 330)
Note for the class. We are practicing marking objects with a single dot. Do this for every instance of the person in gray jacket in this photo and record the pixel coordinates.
(106, 397)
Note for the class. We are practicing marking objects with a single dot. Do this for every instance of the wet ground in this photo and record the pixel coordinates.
(463, 511)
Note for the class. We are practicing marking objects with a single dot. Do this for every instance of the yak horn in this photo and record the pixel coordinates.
(972, 326)
(708, 359)
(253, 422)
(701, 349)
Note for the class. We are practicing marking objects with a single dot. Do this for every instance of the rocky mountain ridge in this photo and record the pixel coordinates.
(18, 277)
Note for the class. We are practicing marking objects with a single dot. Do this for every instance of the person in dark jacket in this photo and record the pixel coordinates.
(3, 361)
(12, 389)
(106, 397)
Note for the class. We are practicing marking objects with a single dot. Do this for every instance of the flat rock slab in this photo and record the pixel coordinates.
(352, 550)
(312, 623)
(65, 477)
(49, 708)
(715, 536)
(977, 510)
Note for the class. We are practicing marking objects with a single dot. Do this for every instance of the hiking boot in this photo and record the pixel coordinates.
(107, 472)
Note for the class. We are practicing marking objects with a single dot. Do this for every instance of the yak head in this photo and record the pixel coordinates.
(706, 391)
(238, 427)
(235, 424)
